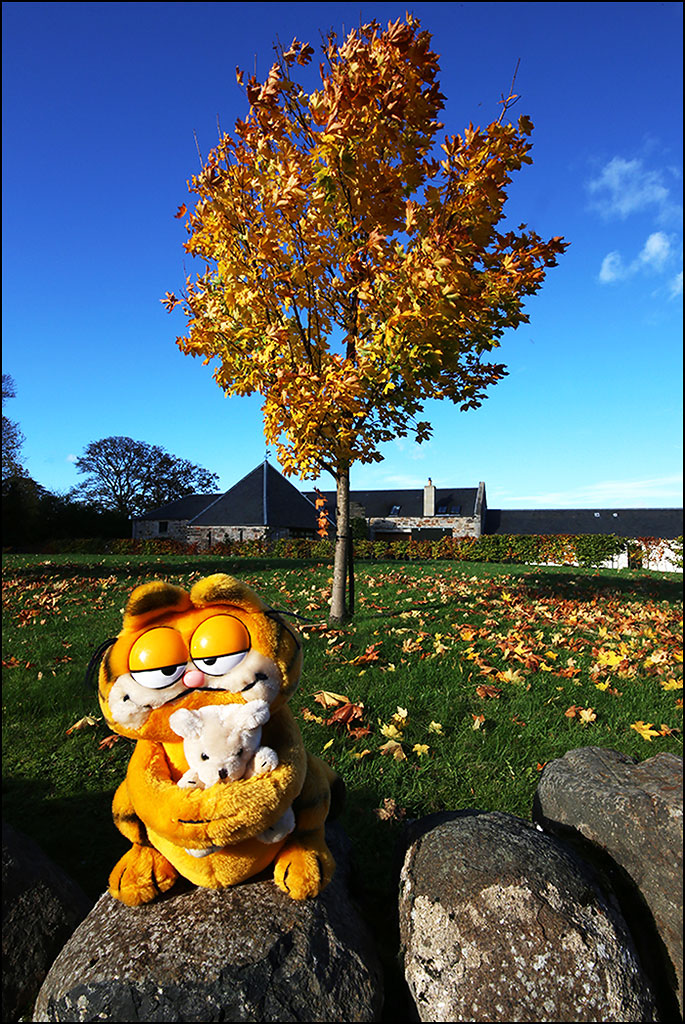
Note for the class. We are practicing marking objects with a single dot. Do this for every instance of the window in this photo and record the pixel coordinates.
(163, 526)
(395, 510)
(445, 509)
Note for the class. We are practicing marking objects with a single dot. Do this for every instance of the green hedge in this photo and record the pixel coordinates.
(583, 549)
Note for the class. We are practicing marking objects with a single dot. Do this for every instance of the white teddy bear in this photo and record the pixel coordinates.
(223, 743)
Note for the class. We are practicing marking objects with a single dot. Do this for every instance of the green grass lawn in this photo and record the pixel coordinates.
(454, 685)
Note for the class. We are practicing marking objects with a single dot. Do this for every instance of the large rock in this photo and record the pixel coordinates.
(248, 953)
(499, 922)
(628, 818)
(41, 907)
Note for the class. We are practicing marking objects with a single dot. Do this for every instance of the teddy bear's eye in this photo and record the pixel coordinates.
(205, 757)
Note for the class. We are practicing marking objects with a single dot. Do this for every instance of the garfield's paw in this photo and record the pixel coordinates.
(141, 875)
(304, 867)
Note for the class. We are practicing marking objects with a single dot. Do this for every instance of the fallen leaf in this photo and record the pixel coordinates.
(83, 723)
(436, 727)
(486, 690)
(393, 749)
(309, 716)
(421, 749)
(391, 731)
(108, 742)
(390, 810)
(645, 730)
(478, 721)
(587, 715)
(330, 700)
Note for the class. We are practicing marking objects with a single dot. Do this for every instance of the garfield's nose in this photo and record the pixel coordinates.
(193, 678)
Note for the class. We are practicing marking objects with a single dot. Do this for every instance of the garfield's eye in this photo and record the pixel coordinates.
(219, 666)
(219, 644)
(158, 678)
(158, 658)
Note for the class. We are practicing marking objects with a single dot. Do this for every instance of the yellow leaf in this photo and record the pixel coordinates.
(327, 745)
(478, 721)
(391, 731)
(645, 730)
(357, 755)
(672, 684)
(587, 715)
(330, 700)
(421, 749)
(436, 727)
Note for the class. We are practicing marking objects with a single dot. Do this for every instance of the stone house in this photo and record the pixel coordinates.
(423, 513)
(265, 504)
(262, 504)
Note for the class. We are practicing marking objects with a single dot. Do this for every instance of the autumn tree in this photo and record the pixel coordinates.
(130, 477)
(350, 273)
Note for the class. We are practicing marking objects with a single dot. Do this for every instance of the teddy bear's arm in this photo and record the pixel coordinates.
(219, 815)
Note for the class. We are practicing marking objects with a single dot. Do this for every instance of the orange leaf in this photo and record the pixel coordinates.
(108, 742)
(485, 690)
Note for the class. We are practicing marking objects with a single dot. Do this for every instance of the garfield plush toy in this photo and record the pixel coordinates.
(219, 644)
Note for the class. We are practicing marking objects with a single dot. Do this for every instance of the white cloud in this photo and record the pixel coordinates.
(71, 458)
(676, 285)
(654, 256)
(612, 268)
(656, 251)
(624, 187)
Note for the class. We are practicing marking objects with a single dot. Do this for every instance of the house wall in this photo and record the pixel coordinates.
(148, 529)
(456, 526)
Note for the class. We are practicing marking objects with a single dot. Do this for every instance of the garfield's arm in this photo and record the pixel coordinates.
(142, 873)
(220, 815)
(305, 865)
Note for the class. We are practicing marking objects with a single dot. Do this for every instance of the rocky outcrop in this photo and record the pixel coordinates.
(500, 922)
(627, 819)
(41, 907)
(241, 954)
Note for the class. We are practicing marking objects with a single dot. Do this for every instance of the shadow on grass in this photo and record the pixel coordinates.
(77, 833)
(574, 583)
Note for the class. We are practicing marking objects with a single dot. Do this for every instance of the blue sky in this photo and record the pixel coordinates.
(102, 105)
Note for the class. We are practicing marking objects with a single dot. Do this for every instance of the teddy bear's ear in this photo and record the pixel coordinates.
(186, 723)
(257, 712)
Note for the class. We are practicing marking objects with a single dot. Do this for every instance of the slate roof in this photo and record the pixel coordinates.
(182, 508)
(624, 522)
(380, 504)
(262, 498)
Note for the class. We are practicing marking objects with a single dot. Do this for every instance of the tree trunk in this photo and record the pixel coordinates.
(342, 542)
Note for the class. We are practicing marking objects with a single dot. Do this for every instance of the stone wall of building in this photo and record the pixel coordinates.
(149, 529)
(206, 536)
(453, 526)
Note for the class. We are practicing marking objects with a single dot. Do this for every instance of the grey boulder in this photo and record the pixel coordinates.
(247, 953)
(499, 922)
(627, 819)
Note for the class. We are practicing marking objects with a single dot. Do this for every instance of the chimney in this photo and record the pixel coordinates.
(429, 499)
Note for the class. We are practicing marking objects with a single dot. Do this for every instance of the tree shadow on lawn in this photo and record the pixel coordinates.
(77, 833)
(577, 585)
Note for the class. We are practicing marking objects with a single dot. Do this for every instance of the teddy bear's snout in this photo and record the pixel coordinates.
(223, 773)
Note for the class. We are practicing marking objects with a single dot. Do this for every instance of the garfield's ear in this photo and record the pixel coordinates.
(223, 589)
(151, 600)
